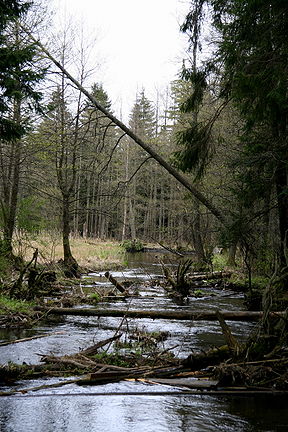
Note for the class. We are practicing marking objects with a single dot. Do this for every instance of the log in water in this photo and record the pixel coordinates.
(161, 314)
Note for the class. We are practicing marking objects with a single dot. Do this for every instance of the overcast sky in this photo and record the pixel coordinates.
(138, 41)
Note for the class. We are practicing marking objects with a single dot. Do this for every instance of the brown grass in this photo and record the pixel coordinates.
(94, 254)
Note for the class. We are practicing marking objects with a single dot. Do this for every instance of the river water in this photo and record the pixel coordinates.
(133, 406)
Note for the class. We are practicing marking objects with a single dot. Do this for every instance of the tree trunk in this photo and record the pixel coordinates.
(71, 266)
(196, 234)
(196, 315)
(281, 188)
(12, 187)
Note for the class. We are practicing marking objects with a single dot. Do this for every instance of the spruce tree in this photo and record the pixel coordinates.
(19, 99)
(250, 62)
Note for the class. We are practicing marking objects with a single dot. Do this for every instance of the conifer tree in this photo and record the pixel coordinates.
(19, 99)
(250, 62)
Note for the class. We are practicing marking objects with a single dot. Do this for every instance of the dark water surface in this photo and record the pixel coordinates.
(98, 408)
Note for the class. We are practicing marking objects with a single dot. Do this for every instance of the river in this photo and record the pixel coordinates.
(132, 406)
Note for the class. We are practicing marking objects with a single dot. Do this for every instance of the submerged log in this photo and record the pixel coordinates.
(196, 315)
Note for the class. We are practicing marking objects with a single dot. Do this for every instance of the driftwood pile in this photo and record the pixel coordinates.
(228, 368)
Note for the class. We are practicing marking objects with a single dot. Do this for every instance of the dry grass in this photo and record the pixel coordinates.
(90, 253)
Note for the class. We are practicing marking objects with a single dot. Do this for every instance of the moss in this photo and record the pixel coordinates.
(95, 297)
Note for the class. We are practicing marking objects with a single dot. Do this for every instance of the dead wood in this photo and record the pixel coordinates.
(29, 338)
(184, 382)
(195, 315)
(115, 282)
(79, 360)
(209, 276)
(231, 341)
(42, 387)
(72, 360)
(93, 349)
(236, 391)
(126, 373)
(201, 360)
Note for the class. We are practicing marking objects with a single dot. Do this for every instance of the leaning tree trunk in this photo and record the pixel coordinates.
(168, 167)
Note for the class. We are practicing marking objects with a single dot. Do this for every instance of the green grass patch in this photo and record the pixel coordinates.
(95, 297)
(8, 305)
(219, 262)
(113, 359)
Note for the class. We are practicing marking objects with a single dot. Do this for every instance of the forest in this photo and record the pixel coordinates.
(204, 169)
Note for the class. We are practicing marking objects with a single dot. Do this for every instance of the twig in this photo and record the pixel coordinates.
(30, 338)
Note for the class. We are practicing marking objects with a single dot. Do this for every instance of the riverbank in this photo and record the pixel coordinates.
(91, 254)
(118, 368)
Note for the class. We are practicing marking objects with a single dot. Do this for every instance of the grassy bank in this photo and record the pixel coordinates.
(92, 254)
(17, 306)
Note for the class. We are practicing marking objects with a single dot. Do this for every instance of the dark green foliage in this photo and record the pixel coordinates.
(132, 245)
(142, 120)
(196, 148)
(193, 101)
(249, 66)
(17, 74)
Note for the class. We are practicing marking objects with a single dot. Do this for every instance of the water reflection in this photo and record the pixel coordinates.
(142, 414)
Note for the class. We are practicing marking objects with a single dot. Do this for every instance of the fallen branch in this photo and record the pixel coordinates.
(231, 341)
(115, 282)
(93, 350)
(240, 391)
(209, 276)
(30, 338)
(33, 389)
(73, 361)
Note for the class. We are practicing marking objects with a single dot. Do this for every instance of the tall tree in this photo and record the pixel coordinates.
(18, 77)
(250, 60)
(99, 143)
(142, 123)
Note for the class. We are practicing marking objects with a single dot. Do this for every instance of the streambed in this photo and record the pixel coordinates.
(74, 408)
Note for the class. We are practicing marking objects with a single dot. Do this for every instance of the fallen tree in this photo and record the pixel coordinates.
(161, 314)
(169, 168)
